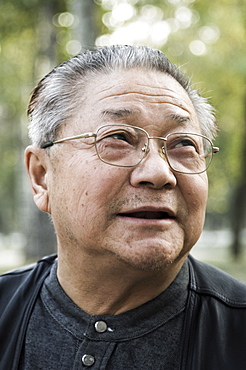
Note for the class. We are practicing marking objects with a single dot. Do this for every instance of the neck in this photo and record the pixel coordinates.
(106, 288)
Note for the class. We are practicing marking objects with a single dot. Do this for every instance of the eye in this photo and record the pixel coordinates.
(185, 142)
(120, 136)
(182, 142)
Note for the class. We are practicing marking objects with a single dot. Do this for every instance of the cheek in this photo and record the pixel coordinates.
(194, 193)
(197, 199)
(97, 187)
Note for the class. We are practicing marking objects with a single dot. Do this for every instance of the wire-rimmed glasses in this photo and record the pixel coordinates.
(126, 146)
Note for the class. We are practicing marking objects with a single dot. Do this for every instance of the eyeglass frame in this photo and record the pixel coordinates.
(145, 150)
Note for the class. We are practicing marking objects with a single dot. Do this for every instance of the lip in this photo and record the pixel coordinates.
(148, 214)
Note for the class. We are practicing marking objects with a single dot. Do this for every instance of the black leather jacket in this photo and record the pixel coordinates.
(214, 335)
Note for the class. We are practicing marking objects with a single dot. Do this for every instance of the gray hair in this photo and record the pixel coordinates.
(56, 97)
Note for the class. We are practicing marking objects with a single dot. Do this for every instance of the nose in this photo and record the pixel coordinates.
(153, 171)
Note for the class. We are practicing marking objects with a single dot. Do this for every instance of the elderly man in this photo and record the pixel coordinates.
(120, 149)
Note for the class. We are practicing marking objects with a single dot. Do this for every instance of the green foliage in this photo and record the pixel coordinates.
(16, 62)
(20, 56)
(216, 62)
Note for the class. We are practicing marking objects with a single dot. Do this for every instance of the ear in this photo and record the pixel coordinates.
(36, 162)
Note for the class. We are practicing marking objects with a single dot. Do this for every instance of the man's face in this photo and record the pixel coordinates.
(147, 216)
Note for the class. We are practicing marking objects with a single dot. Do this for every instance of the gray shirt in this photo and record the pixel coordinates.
(62, 336)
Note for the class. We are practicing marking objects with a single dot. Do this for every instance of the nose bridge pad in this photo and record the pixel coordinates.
(162, 150)
(162, 153)
(145, 150)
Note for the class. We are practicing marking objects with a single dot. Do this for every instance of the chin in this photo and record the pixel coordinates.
(155, 261)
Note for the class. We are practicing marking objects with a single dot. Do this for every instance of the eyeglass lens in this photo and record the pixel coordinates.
(125, 146)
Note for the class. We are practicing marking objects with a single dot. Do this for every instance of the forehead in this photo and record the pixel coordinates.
(144, 94)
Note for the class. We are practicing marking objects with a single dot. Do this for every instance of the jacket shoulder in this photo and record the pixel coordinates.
(18, 292)
(13, 279)
(209, 280)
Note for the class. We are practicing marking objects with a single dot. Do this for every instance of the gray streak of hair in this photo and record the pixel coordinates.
(58, 95)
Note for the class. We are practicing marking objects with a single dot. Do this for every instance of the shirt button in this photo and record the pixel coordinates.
(88, 360)
(101, 326)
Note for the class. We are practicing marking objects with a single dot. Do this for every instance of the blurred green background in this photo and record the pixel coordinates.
(205, 38)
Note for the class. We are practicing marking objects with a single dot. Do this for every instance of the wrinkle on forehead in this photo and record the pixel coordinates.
(138, 82)
(139, 95)
(130, 113)
(147, 91)
(151, 95)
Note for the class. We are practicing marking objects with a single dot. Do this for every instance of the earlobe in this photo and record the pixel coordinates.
(36, 166)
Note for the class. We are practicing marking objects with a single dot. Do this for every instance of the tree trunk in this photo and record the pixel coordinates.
(39, 231)
(87, 28)
(239, 201)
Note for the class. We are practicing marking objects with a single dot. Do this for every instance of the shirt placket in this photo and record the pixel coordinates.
(94, 351)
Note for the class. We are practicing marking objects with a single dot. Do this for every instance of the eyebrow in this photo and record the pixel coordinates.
(119, 113)
(179, 119)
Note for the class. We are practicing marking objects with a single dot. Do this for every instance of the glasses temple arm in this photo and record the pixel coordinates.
(84, 136)
(215, 149)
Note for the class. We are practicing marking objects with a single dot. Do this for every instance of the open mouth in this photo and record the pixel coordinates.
(148, 215)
